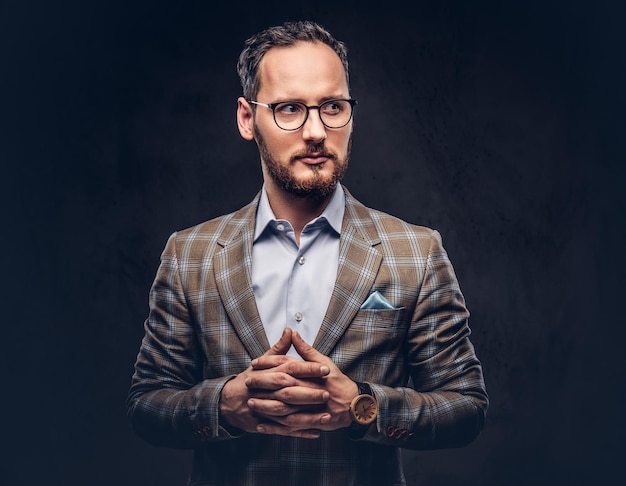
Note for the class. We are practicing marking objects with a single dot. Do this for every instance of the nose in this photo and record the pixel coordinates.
(313, 129)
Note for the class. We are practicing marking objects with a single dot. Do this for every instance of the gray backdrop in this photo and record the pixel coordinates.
(498, 123)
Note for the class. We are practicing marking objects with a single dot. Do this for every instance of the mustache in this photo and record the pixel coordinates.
(318, 149)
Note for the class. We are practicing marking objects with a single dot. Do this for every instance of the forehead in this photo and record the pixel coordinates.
(304, 70)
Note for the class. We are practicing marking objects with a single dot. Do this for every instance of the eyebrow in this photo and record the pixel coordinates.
(321, 100)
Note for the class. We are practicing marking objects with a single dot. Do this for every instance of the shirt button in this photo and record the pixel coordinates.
(301, 260)
(280, 227)
(298, 316)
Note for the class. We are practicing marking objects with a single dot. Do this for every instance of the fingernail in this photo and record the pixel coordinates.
(325, 419)
(260, 429)
(324, 369)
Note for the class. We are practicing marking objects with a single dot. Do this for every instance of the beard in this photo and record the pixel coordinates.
(319, 185)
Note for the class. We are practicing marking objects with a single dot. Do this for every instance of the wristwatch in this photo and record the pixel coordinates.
(363, 408)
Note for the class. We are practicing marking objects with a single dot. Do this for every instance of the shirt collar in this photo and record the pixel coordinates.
(333, 213)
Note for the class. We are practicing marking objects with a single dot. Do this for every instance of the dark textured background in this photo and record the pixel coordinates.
(501, 124)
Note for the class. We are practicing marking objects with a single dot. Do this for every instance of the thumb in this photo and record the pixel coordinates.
(305, 350)
(283, 344)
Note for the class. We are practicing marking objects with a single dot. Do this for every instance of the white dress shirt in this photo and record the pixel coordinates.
(293, 284)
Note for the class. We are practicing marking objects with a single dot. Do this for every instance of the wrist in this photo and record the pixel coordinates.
(363, 411)
(232, 404)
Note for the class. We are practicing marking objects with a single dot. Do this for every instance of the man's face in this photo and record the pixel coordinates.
(310, 161)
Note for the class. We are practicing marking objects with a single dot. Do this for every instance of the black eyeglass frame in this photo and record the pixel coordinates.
(272, 106)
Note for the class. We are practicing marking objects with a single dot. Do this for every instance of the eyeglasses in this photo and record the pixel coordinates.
(292, 115)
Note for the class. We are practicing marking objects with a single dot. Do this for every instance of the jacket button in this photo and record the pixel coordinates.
(203, 433)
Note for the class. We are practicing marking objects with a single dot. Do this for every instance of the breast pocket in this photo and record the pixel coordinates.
(373, 344)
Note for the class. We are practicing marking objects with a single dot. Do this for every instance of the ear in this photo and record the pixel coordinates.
(245, 119)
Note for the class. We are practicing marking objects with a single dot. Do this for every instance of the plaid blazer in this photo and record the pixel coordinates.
(203, 328)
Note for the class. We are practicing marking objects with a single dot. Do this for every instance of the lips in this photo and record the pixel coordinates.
(314, 158)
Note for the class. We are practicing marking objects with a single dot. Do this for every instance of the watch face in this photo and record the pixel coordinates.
(364, 409)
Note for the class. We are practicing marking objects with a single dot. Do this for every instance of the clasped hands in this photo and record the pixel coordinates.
(283, 395)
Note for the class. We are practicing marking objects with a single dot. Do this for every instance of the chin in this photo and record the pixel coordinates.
(315, 188)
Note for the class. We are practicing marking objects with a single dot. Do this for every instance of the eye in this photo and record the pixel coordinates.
(290, 108)
(333, 107)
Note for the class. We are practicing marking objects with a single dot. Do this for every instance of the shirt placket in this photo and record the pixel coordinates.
(298, 306)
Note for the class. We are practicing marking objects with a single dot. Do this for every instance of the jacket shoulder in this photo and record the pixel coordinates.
(384, 226)
(196, 240)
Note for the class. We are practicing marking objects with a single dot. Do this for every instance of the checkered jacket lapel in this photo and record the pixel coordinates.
(359, 261)
(234, 282)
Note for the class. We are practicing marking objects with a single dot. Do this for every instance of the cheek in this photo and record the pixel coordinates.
(282, 144)
(277, 141)
(343, 142)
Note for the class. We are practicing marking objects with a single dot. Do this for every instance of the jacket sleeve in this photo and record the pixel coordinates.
(169, 403)
(446, 401)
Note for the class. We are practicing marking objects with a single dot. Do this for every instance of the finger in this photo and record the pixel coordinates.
(293, 366)
(270, 361)
(272, 429)
(282, 345)
(308, 352)
(294, 395)
(295, 422)
(270, 381)
(305, 369)
(270, 408)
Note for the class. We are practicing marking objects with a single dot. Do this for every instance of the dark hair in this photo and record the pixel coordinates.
(286, 34)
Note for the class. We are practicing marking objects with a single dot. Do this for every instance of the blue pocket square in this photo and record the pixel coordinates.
(376, 301)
